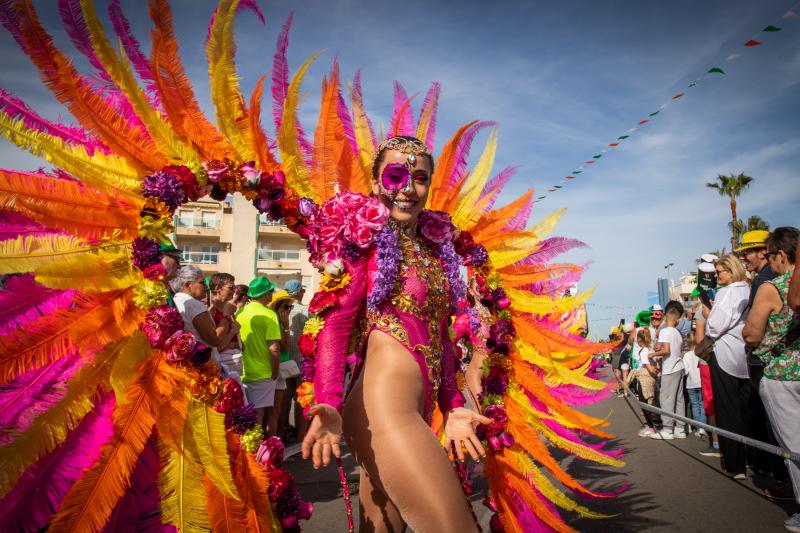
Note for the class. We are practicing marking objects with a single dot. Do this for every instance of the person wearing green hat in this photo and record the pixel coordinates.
(261, 336)
(171, 261)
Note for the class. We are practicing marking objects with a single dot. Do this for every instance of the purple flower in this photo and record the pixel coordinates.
(146, 252)
(161, 323)
(388, 259)
(495, 383)
(307, 207)
(165, 187)
(242, 418)
(451, 266)
(478, 255)
(308, 368)
(502, 330)
(395, 176)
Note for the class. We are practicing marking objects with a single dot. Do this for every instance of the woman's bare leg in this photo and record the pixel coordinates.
(408, 469)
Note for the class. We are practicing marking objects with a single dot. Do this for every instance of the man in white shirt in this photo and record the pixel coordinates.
(670, 344)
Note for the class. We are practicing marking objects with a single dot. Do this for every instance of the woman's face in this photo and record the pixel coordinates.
(406, 204)
(778, 262)
(224, 293)
(724, 277)
(196, 289)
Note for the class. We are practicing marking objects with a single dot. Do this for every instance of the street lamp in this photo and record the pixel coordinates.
(669, 278)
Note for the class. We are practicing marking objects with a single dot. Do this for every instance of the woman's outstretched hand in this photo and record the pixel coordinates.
(459, 428)
(323, 435)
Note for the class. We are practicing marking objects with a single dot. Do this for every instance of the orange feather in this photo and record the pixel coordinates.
(86, 105)
(266, 160)
(491, 224)
(438, 195)
(518, 275)
(177, 96)
(91, 500)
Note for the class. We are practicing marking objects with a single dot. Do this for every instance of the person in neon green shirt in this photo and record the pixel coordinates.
(261, 335)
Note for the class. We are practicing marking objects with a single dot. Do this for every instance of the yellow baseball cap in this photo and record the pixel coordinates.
(753, 239)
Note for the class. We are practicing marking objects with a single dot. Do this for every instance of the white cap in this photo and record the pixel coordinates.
(657, 307)
(627, 328)
(706, 267)
(709, 258)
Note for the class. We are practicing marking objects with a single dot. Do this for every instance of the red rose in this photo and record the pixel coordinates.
(321, 301)
(463, 243)
(180, 346)
(187, 178)
(216, 170)
(327, 234)
(307, 344)
(155, 272)
(359, 235)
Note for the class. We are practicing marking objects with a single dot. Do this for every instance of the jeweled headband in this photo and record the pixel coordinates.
(413, 147)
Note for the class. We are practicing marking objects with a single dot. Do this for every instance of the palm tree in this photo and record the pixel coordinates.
(731, 186)
(754, 222)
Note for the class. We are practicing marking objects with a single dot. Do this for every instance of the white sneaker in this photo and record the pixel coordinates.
(646, 431)
(679, 435)
(662, 435)
(793, 523)
(701, 433)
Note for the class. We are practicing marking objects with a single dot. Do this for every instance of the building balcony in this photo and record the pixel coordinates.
(208, 228)
(200, 258)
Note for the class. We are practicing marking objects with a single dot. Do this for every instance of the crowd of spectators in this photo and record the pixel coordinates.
(731, 360)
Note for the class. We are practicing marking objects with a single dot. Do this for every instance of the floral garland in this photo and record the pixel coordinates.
(164, 192)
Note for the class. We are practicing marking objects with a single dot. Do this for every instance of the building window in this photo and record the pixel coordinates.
(185, 218)
(186, 253)
(264, 220)
(288, 256)
(208, 255)
(209, 219)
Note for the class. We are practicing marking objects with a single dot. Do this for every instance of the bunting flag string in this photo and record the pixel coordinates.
(791, 14)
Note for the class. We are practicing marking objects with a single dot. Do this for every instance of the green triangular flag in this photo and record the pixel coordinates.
(557, 186)
(654, 113)
(623, 137)
(541, 198)
(716, 70)
(691, 84)
(577, 171)
(598, 156)
(771, 28)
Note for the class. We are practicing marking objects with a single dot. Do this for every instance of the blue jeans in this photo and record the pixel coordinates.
(696, 403)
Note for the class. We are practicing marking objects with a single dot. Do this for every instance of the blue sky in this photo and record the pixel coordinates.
(562, 80)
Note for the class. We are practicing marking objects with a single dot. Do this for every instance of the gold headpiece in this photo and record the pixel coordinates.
(413, 147)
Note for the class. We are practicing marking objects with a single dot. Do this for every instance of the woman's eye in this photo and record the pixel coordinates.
(421, 178)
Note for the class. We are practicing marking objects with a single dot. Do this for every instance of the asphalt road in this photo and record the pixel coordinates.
(670, 488)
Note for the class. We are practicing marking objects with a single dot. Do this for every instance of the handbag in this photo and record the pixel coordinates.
(705, 347)
(289, 369)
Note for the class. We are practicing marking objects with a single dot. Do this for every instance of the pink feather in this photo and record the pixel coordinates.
(525, 516)
(520, 218)
(572, 436)
(402, 122)
(431, 101)
(358, 98)
(280, 72)
(16, 108)
(33, 393)
(551, 248)
(549, 287)
(75, 25)
(9, 20)
(343, 112)
(23, 300)
(134, 51)
(462, 150)
(13, 225)
(138, 509)
(30, 505)
(496, 185)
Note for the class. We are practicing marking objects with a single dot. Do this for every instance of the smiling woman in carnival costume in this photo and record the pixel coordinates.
(115, 410)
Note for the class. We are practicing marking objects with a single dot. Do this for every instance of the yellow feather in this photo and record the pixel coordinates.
(294, 167)
(226, 95)
(209, 445)
(107, 270)
(109, 173)
(29, 253)
(543, 228)
(132, 352)
(527, 302)
(548, 489)
(119, 69)
(50, 429)
(563, 373)
(364, 140)
(182, 490)
(465, 215)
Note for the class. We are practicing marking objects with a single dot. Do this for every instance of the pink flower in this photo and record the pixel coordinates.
(251, 174)
(436, 226)
(216, 170)
(359, 234)
(155, 272)
(328, 234)
(332, 212)
(180, 346)
(372, 215)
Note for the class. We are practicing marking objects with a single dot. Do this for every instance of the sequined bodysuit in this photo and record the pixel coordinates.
(416, 315)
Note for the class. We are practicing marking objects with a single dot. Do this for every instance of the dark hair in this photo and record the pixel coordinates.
(784, 239)
(379, 155)
(675, 307)
(219, 279)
